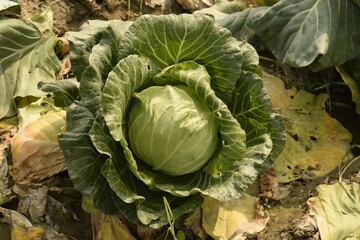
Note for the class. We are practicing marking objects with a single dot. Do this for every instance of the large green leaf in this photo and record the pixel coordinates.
(188, 37)
(84, 161)
(240, 24)
(93, 56)
(300, 32)
(131, 74)
(26, 57)
(251, 105)
(82, 42)
(65, 91)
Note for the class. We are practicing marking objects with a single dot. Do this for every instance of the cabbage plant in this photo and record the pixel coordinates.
(171, 107)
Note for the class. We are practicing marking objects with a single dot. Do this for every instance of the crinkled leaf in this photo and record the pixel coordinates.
(82, 42)
(102, 60)
(300, 32)
(65, 91)
(336, 209)
(188, 37)
(131, 74)
(234, 219)
(83, 160)
(24, 60)
(251, 105)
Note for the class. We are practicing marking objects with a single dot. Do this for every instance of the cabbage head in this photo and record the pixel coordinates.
(170, 107)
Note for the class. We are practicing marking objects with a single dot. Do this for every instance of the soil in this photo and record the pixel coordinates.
(287, 215)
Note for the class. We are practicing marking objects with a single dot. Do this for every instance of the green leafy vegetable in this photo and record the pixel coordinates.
(171, 107)
(26, 57)
(300, 33)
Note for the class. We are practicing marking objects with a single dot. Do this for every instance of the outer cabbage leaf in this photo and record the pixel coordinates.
(251, 105)
(94, 57)
(240, 24)
(25, 60)
(84, 161)
(300, 32)
(82, 42)
(65, 91)
(194, 38)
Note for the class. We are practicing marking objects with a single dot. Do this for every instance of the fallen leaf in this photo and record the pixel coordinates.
(193, 223)
(234, 219)
(280, 96)
(316, 143)
(5, 189)
(32, 201)
(35, 150)
(109, 227)
(337, 211)
(22, 229)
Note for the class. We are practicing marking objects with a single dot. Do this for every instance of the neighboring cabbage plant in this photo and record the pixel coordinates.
(171, 107)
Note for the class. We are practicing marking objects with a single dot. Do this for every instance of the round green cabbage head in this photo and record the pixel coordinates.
(172, 129)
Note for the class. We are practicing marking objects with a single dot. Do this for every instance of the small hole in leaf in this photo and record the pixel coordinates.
(289, 167)
(313, 138)
(295, 137)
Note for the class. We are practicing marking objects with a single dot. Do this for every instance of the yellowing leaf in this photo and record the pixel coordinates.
(33, 233)
(234, 219)
(110, 227)
(316, 143)
(35, 149)
(337, 211)
(22, 229)
(280, 97)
